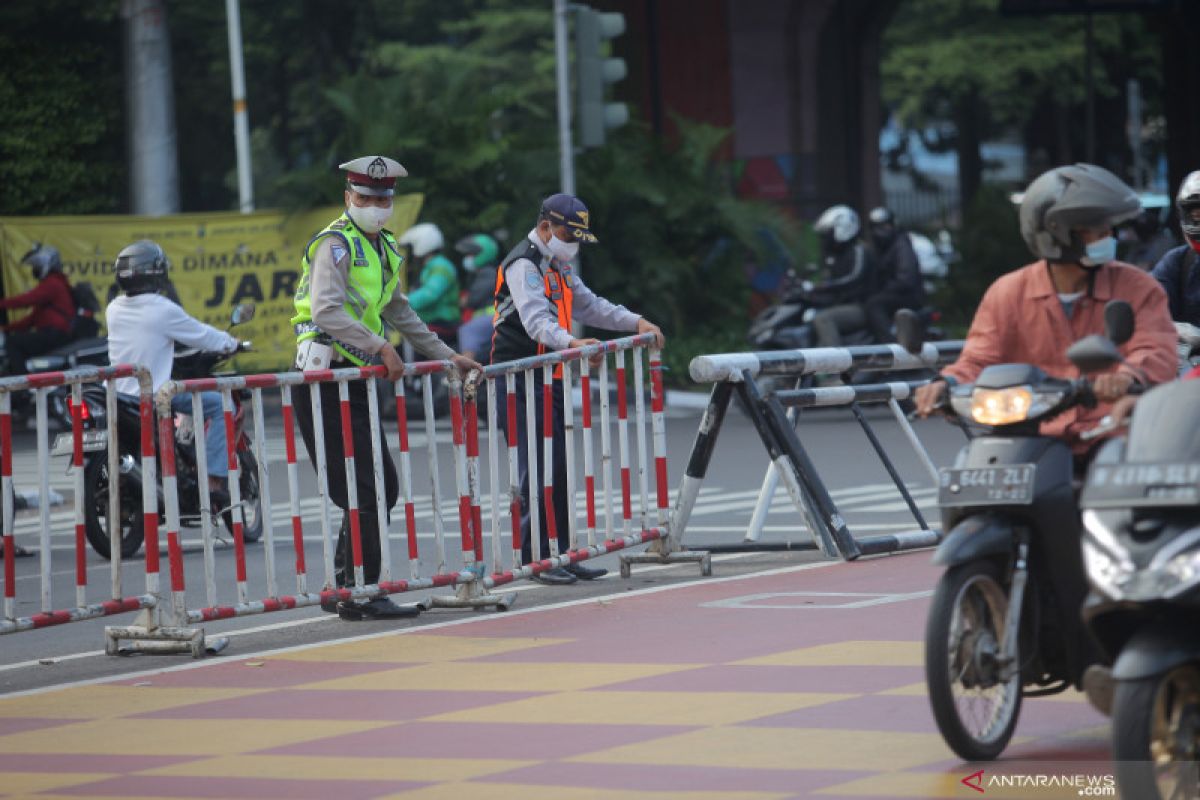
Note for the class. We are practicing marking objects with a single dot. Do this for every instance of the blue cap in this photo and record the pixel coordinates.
(568, 210)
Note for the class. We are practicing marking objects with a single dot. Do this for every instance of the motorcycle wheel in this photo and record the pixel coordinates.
(975, 711)
(95, 487)
(1156, 733)
(252, 517)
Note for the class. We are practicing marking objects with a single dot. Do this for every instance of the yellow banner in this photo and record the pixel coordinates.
(218, 260)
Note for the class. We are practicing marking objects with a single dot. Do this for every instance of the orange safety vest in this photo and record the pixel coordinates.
(510, 341)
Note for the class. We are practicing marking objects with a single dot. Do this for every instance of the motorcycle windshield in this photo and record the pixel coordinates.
(1166, 425)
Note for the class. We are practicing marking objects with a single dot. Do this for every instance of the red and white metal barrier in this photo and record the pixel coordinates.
(86, 606)
(217, 582)
(614, 540)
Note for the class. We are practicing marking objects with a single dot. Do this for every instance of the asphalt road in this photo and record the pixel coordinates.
(857, 480)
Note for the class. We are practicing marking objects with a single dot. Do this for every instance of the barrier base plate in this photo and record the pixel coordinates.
(704, 559)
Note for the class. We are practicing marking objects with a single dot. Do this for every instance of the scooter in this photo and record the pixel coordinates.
(188, 364)
(1141, 547)
(1004, 621)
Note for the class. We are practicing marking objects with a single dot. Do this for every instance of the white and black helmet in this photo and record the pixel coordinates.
(142, 267)
(1186, 203)
(841, 223)
(42, 259)
(424, 238)
(1070, 198)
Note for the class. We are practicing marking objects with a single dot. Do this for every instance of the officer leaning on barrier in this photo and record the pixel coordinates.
(538, 297)
(349, 287)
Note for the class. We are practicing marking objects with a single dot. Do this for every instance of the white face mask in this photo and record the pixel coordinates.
(369, 219)
(563, 251)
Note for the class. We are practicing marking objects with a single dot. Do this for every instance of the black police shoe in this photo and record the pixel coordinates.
(330, 605)
(379, 608)
(585, 573)
(555, 577)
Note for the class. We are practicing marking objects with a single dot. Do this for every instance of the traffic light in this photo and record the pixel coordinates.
(595, 71)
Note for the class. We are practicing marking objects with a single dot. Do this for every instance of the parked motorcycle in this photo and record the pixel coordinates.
(188, 364)
(1141, 547)
(1004, 622)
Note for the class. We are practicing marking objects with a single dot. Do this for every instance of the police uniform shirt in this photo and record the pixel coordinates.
(328, 270)
(539, 316)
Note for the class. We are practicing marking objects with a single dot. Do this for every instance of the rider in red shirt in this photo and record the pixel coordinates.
(48, 325)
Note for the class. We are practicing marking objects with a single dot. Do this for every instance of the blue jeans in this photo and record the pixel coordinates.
(214, 439)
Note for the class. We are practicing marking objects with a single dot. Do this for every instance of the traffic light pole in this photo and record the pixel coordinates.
(563, 66)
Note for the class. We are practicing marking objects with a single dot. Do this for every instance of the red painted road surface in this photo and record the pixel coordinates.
(806, 682)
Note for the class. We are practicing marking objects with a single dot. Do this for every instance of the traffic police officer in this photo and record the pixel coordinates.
(349, 287)
(538, 298)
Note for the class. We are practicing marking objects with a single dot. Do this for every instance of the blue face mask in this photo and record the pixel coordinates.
(1100, 252)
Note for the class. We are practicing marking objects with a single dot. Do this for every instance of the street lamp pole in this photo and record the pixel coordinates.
(563, 66)
(241, 120)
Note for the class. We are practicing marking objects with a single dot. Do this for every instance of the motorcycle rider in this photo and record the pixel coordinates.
(899, 274)
(1149, 239)
(49, 324)
(435, 298)
(481, 259)
(1176, 271)
(143, 328)
(1034, 314)
(851, 270)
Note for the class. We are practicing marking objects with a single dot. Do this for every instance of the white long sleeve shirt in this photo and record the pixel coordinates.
(143, 330)
(540, 317)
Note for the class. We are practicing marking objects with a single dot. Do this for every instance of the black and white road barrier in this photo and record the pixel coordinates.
(735, 374)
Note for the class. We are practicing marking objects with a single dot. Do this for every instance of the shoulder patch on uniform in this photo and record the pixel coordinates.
(337, 251)
(533, 277)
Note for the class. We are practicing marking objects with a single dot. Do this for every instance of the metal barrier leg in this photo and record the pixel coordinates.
(830, 521)
(888, 465)
(470, 591)
(689, 489)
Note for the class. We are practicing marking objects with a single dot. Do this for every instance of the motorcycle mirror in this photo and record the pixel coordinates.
(910, 330)
(1094, 353)
(1118, 321)
(242, 313)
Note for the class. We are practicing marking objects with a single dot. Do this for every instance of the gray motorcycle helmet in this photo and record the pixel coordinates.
(1187, 201)
(1069, 198)
(42, 259)
(142, 267)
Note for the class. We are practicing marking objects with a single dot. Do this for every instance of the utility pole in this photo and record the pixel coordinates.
(241, 120)
(150, 101)
(562, 69)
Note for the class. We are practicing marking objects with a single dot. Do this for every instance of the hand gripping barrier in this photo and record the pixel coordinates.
(84, 608)
(631, 532)
(736, 372)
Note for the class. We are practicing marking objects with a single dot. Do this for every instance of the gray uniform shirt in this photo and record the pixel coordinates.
(540, 317)
(328, 276)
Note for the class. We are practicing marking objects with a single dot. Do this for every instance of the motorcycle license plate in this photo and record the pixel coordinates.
(64, 443)
(1142, 485)
(1009, 485)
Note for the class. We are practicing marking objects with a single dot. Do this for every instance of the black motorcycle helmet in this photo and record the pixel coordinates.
(882, 224)
(42, 259)
(142, 268)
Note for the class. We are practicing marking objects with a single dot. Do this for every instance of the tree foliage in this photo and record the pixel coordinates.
(961, 62)
(60, 144)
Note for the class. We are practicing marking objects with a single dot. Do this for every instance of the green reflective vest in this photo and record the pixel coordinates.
(369, 287)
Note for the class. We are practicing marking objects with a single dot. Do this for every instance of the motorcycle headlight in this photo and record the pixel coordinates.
(1108, 565)
(1106, 572)
(1183, 570)
(1010, 405)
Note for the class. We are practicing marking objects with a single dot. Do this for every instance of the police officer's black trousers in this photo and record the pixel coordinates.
(559, 459)
(335, 468)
